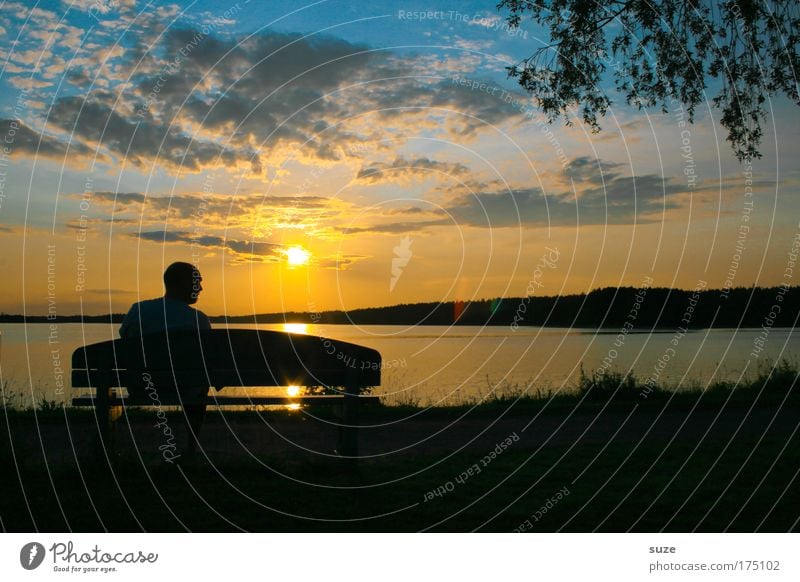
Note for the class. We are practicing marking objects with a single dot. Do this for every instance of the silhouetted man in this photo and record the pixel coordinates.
(172, 312)
(182, 282)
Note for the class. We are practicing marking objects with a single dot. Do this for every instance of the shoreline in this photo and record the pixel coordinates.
(605, 330)
(610, 307)
(771, 382)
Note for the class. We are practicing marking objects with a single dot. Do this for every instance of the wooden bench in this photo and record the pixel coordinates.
(154, 368)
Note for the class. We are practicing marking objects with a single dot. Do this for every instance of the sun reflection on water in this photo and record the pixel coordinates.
(295, 328)
(293, 391)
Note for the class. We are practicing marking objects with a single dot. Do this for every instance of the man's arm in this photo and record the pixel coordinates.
(130, 324)
(203, 323)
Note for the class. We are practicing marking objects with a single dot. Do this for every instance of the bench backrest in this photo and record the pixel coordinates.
(226, 357)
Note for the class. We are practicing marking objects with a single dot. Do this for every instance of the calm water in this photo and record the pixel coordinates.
(432, 365)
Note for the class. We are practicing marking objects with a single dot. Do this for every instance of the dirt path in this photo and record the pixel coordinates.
(231, 437)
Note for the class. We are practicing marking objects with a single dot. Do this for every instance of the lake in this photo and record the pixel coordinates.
(436, 365)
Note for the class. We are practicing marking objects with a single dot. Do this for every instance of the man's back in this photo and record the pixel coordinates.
(182, 285)
(157, 315)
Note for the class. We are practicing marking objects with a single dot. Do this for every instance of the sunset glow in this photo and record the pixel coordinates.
(297, 256)
(370, 175)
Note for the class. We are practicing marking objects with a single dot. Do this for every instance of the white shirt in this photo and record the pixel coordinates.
(157, 315)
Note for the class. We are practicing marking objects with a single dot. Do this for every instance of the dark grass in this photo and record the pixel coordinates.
(698, 482)
(616, 493)
(772, 383)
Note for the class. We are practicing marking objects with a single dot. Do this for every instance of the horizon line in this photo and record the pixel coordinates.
(721, 290)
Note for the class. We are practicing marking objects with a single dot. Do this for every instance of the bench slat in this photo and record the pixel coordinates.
(233, 400)
(218, 378)
(234, 357)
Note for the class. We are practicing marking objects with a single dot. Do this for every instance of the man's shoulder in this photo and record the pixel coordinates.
(186, 312)
(145, 303)
(201, 317)
(153, 315)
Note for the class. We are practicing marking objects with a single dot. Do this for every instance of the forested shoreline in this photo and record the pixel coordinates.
(642, 308)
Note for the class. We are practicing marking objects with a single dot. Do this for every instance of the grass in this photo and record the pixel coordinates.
(322, 496)
(772, 383)
(736, 472)
(771, 379)
(17, 400)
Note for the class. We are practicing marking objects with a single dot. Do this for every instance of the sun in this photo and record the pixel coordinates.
(297, 256)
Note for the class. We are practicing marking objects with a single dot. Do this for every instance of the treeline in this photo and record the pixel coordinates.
(106, 318)
(609, 307)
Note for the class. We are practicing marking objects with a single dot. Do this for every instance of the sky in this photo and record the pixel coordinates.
(338, 155)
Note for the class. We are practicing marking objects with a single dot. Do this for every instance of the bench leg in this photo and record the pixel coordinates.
(105, 416)
(194, 414)
(348, 433)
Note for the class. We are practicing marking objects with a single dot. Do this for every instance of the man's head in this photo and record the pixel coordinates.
(182, 282)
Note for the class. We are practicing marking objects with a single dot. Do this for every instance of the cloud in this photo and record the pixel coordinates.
(250, 251)
(36, 45)
(596, 171)
(243, 251)
(339, 262)
(200, 100)
(487, 21)
(120, 198)
(402, 170)
(99, 7)
(221, 222)
(615, 200)
(262, 93)
(250, 213)
(396, 227)
(21, 139)
(108, 292)
(143, 141)
(486, 204)
(192, 204)
(186, 94)
(465, 110)
(410, 211)
(621, 200)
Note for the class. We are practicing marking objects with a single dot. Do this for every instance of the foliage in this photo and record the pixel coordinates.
(333, 390)
(660, 50)
(8, 399)
(46, 405)
(780, 377)
(610, 385)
